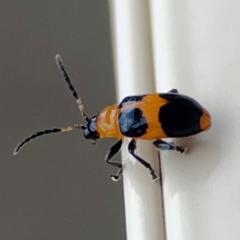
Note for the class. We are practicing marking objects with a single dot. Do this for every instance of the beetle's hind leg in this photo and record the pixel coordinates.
(131, 148)
(159, 144)
(174, 90)
(110, 155)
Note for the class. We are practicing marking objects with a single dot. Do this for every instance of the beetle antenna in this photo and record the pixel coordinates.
(70, 86)
(43, 132)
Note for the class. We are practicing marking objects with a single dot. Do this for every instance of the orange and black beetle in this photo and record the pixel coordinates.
(147, 117)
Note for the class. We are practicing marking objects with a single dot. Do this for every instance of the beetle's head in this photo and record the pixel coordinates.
(90, 130)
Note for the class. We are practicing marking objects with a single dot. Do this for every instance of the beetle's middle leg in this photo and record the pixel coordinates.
(131, 148)
(159, 144)
(110, 155)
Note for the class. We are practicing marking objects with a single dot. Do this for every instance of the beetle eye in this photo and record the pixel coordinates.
(87, 134)
(90, 131)
(92, 125)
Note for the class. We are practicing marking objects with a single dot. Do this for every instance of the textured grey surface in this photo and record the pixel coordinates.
(58, 187)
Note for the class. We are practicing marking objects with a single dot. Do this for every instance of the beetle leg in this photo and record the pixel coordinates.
(173, 90)
(131, 148)
(168, 146)
(110, 155)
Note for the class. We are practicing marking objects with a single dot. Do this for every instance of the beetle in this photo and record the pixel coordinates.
(146, 117)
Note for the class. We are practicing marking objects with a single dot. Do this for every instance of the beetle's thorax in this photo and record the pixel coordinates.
(107, 122)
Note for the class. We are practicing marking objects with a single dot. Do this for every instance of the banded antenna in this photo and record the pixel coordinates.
(63, 129)
(70, 86)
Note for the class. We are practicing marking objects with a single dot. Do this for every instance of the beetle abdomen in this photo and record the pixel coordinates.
(180, 116)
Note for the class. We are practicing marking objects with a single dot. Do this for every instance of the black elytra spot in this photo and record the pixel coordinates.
(130, 100)
(132, 123)
(180, 117)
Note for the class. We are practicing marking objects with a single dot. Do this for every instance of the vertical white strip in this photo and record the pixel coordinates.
(163, 44)
(197, 51)
(134, 74)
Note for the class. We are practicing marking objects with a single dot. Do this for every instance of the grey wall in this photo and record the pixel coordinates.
(58, 187)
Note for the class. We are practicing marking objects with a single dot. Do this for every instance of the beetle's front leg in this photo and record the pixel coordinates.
(110, 155)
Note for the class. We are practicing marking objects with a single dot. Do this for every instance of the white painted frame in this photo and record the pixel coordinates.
(196, 49)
